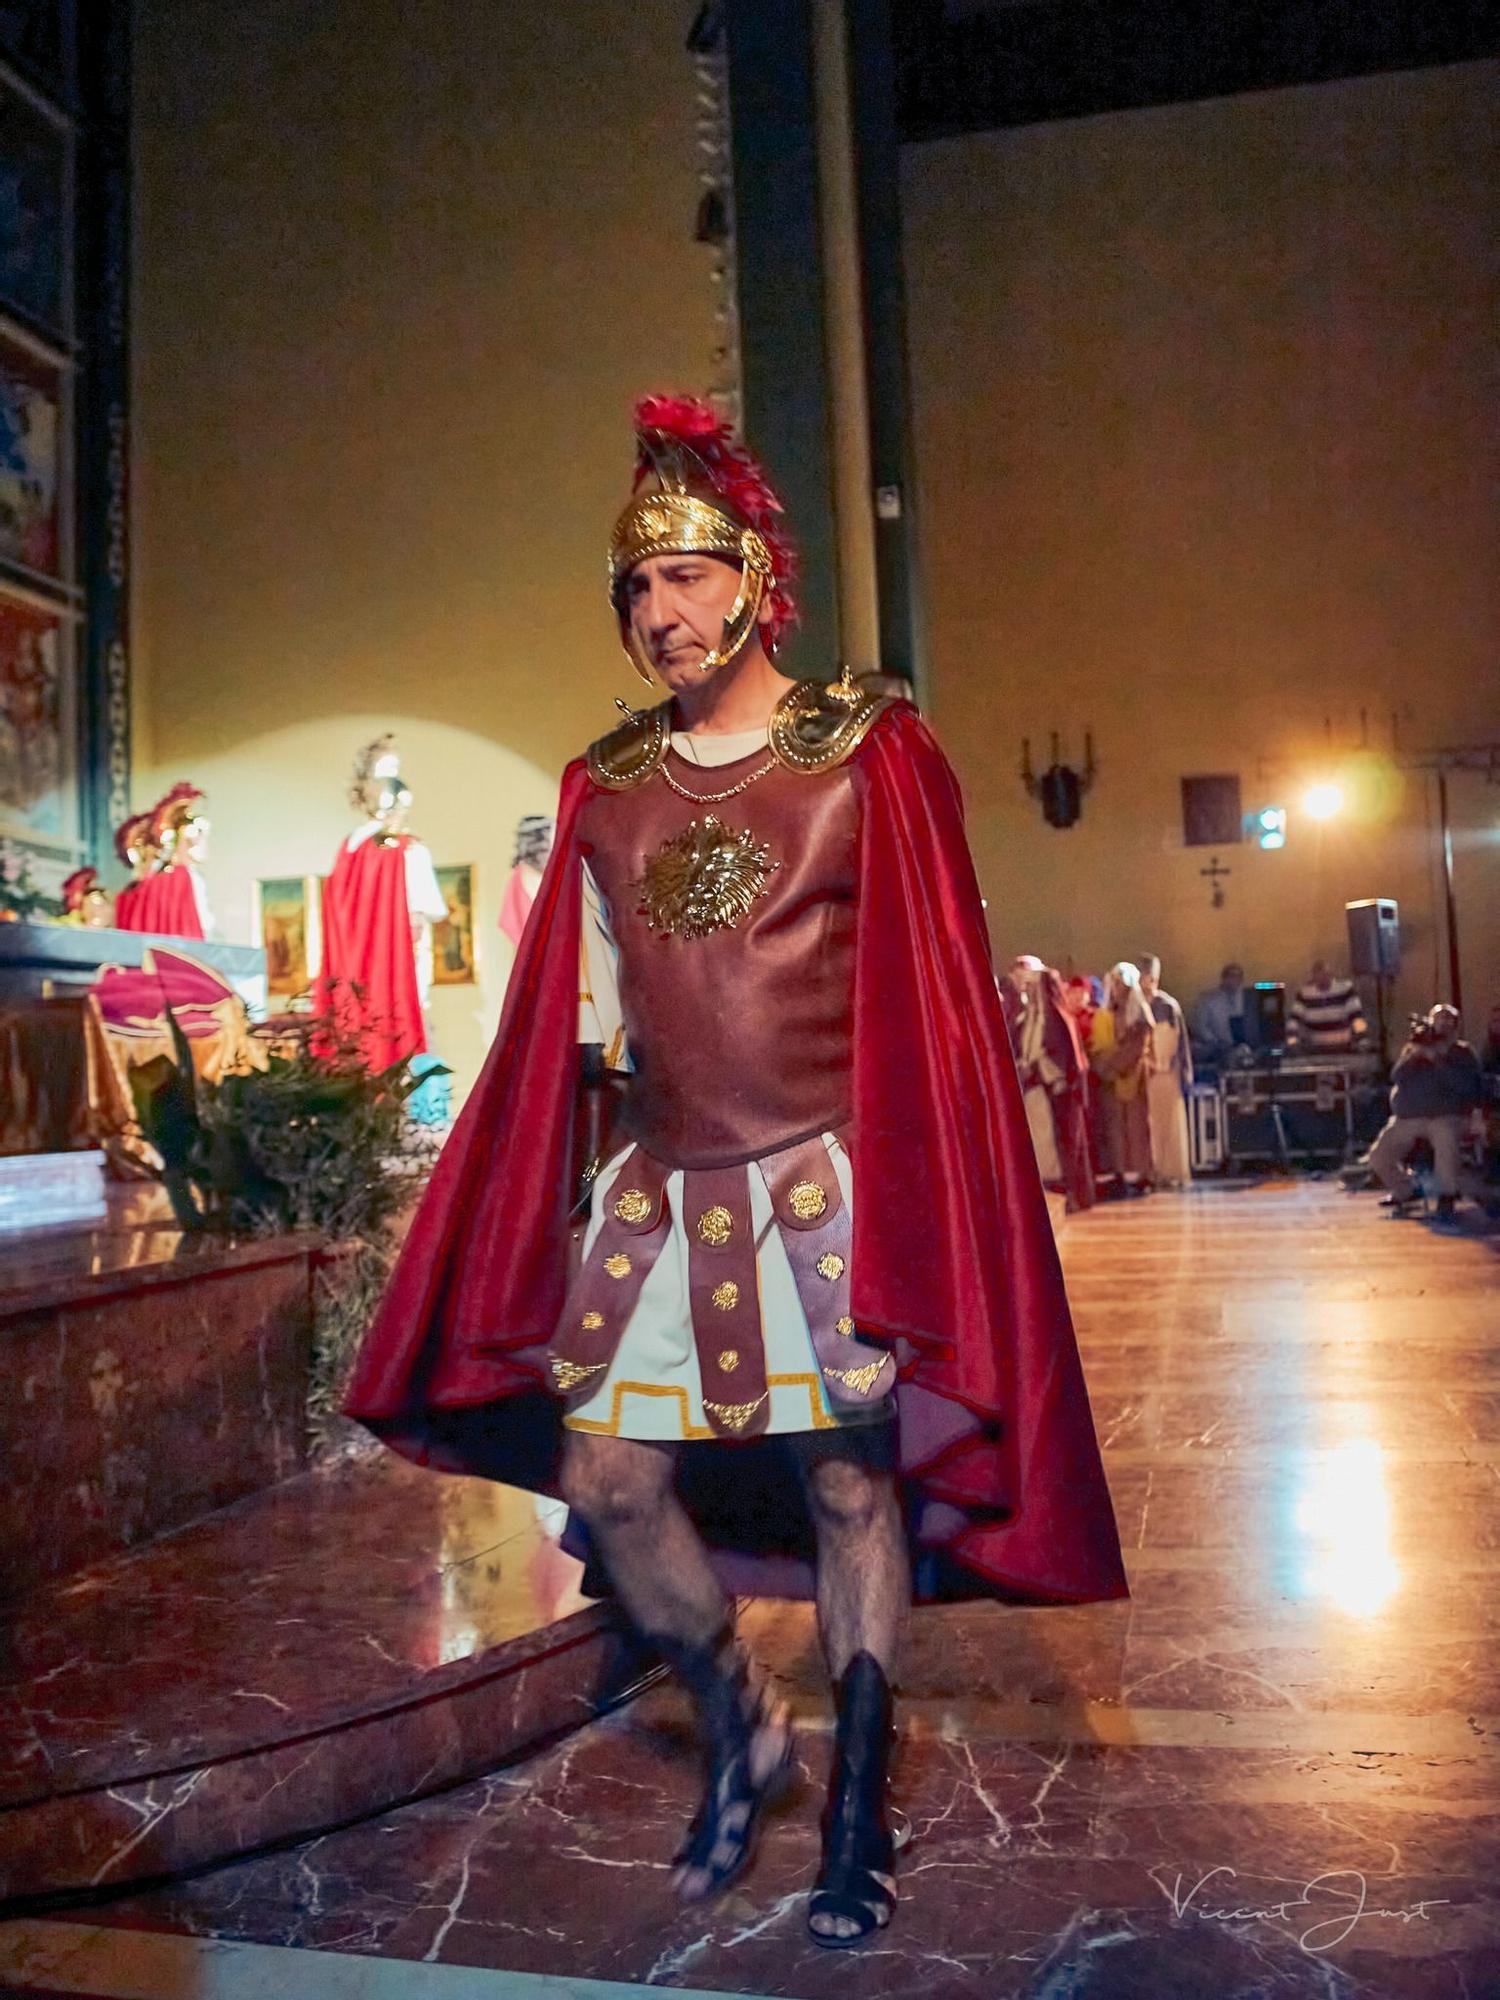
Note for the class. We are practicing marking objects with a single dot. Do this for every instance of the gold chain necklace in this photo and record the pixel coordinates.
(716, 798)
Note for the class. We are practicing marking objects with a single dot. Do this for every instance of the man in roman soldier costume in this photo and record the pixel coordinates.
(815, 1341)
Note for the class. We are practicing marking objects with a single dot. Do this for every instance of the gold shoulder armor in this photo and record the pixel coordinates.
(630, 754)
(817, 724)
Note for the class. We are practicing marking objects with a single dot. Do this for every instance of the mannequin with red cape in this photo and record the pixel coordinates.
(379, 905)
(167, 848)
(135, 852)
(814, 1337)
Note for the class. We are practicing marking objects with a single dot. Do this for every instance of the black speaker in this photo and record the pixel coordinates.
(1265, 1007)
(1374, 937)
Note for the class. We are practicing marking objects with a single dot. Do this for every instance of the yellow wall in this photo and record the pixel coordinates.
(394, 294)
(1206, 417)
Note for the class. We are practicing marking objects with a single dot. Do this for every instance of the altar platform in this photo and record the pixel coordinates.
(64, 958)
(211, 1643)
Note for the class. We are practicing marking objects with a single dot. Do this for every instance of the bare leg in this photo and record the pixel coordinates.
(864, 1572)
(864, 1578)
(623, 1488)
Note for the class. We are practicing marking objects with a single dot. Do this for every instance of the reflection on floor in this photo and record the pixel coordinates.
(1274, 1771)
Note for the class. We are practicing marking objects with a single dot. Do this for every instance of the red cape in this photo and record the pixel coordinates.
(953, 1247)
(367, 943)
(163, 904)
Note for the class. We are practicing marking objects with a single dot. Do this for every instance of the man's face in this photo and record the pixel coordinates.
(1443, 1025)
(1232, 978)
(676, 605)
(1321, 976)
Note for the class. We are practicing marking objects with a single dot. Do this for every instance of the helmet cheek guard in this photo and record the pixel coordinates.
(699, 492)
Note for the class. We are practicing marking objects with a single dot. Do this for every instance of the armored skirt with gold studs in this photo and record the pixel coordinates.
(720, 1297)
(713, 1296)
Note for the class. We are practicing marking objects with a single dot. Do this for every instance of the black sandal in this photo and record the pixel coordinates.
(720, 1842)
(857, 1880)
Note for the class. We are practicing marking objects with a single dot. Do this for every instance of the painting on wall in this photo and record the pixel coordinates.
(33, 172)
(453, 938)
(287, 908)
(30, 434)
(38, 778)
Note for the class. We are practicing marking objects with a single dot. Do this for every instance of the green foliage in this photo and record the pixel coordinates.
(311, 1142)
(21, 900)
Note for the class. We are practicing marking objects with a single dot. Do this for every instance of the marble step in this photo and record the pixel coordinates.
(339, 1644)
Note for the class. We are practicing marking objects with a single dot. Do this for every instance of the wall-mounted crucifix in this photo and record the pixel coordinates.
(1215, 873)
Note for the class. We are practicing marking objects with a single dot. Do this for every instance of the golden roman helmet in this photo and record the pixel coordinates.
(677, 509)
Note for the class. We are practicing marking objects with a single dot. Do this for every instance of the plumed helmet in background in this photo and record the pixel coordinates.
(378, 789)
(133, 842)
(174, 814)
(698, 491)
(82, 883)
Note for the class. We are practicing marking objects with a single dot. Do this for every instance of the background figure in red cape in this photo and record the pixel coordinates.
(953, 1249)
(163, 903)
(165, 847)
(379, 906)
(368, 983)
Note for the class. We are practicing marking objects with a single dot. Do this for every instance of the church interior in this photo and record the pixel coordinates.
(1130, 378)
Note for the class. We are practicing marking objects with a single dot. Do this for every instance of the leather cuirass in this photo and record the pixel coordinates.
(734, 921)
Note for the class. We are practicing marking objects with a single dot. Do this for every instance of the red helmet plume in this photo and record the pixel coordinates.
(128, 834)
(171, 811)
(736, 477)
(78, 885)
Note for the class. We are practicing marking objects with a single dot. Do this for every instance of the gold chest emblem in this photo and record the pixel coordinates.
(703, 879)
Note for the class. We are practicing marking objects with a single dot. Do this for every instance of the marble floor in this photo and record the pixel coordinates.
(1274, 1771)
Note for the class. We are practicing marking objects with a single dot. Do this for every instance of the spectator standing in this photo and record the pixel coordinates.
(1083, 996)
(1014, 988)
(1170, 1080)
(1054, 1079)
(1120, 1052)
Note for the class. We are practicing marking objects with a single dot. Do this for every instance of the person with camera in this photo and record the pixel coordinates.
(1435, 1090)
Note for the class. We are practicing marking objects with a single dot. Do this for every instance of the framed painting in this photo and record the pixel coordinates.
(31, 432)
(286, 920)
(38, 761)
(1211, 815)
(453, 937)
(34, 218)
